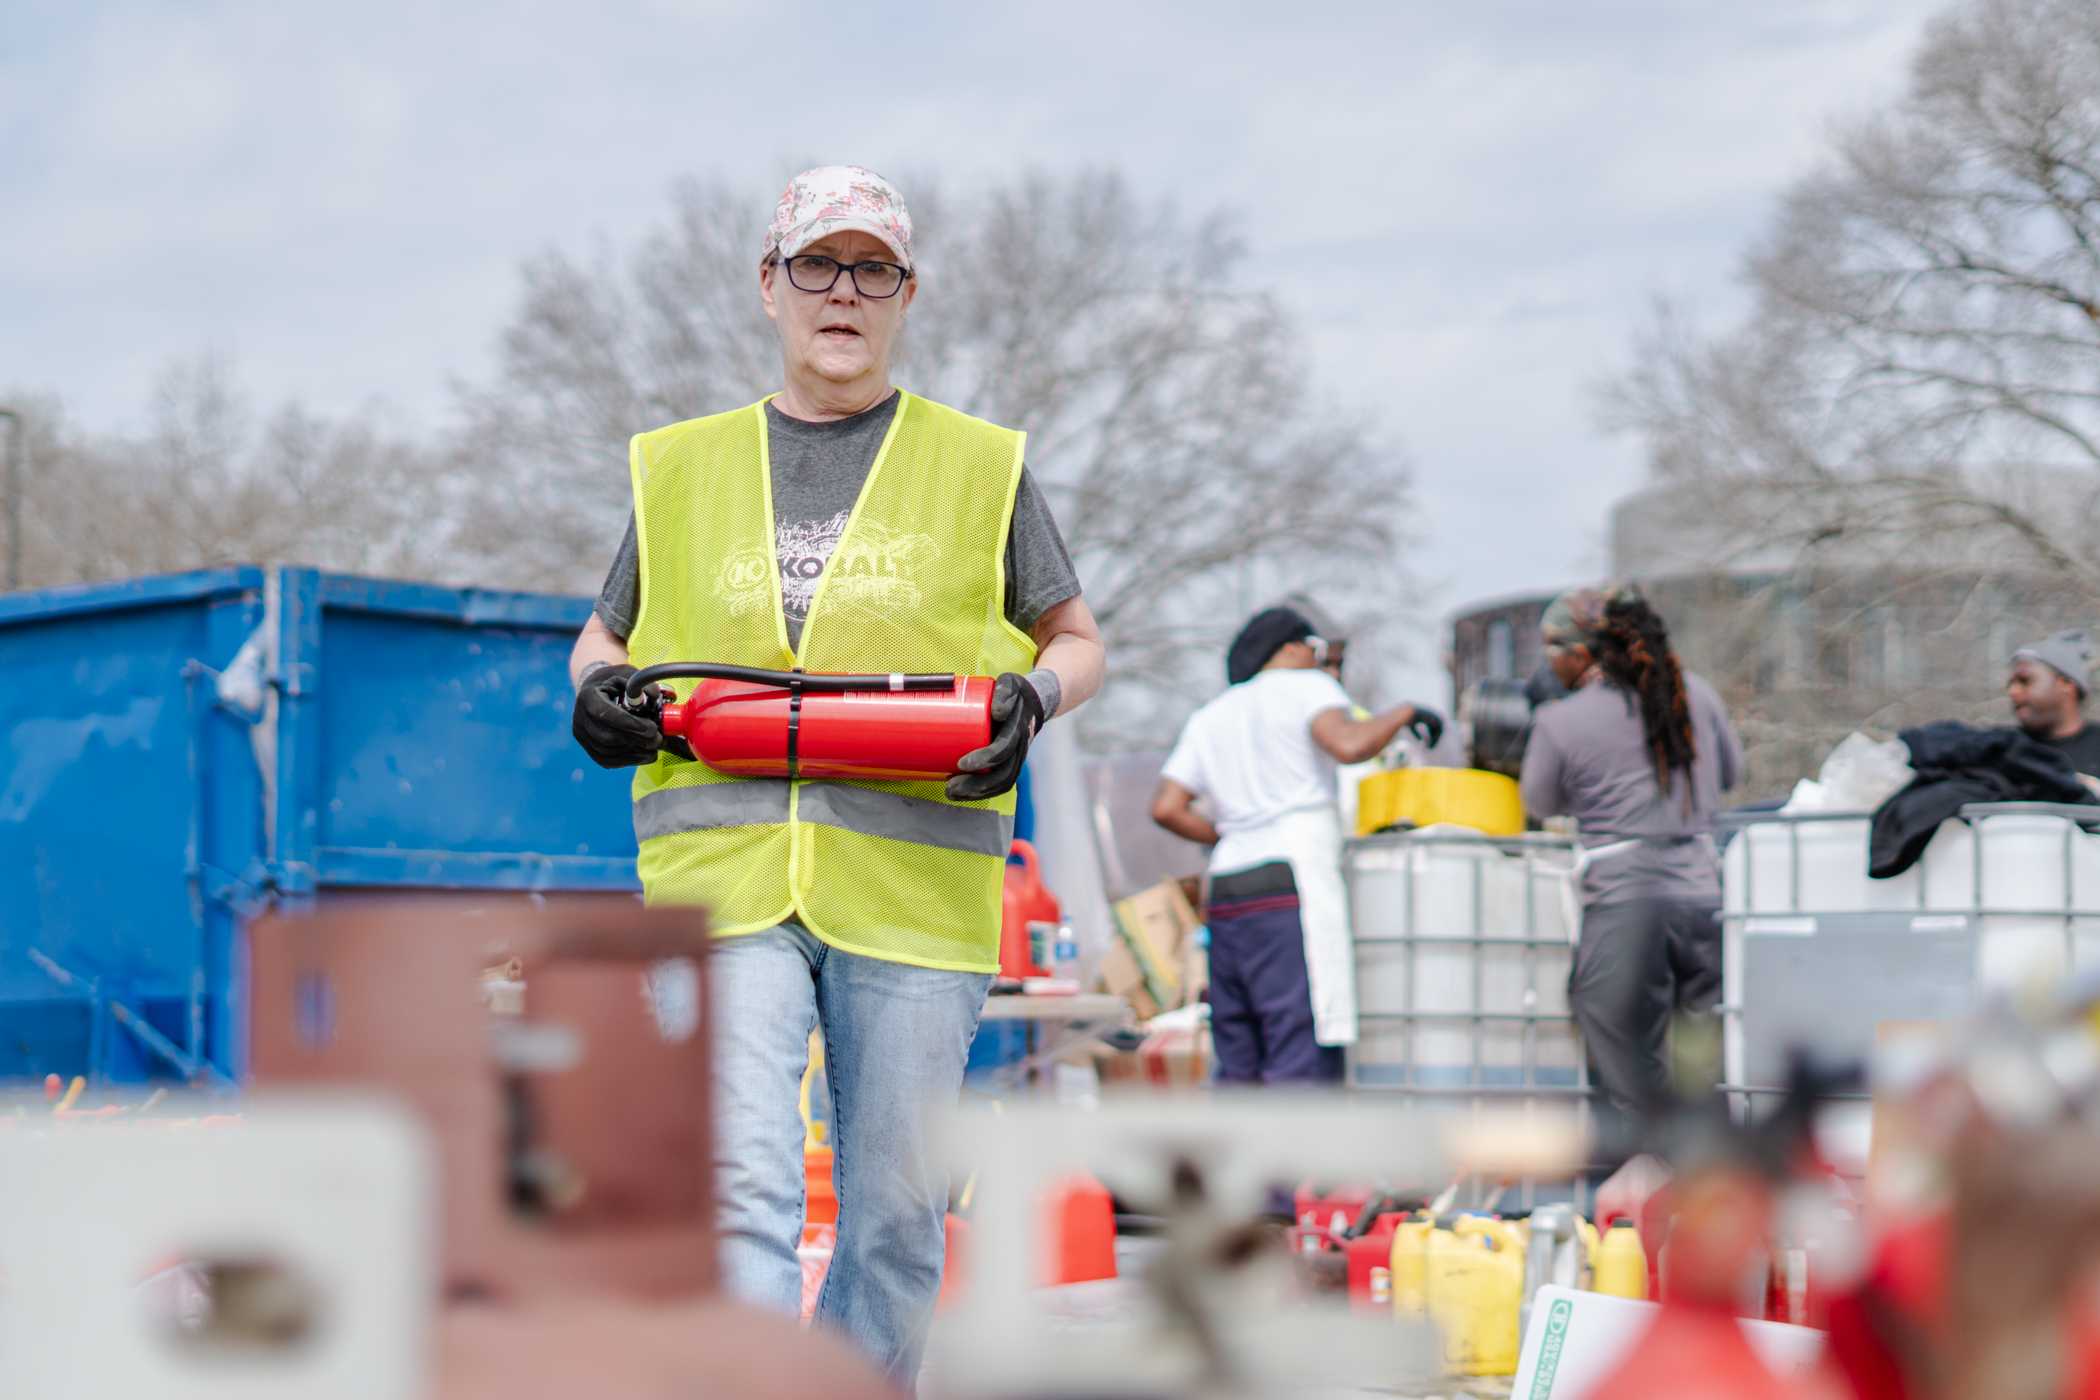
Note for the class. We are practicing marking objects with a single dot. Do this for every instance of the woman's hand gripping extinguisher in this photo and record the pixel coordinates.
(756, 723)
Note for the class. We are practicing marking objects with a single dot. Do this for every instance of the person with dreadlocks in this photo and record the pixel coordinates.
(1638, 754)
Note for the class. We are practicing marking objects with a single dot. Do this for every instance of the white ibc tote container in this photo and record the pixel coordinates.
(1463, 945)
(1815, 951)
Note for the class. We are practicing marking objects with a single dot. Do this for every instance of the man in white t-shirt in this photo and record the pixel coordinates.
(1262, 758)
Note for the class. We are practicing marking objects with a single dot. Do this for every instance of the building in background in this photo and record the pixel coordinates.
(1806, 644)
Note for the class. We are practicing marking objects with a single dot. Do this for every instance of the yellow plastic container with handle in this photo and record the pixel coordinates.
(816, 1122)
(1622, 1264)
(1407, 1262)
(1508, 1234)
(1487, 802)
(1475, 1285)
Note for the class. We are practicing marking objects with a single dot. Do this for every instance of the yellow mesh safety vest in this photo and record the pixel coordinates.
(916, 583)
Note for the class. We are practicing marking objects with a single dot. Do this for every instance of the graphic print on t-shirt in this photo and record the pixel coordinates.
(870, 575)
(803, 546)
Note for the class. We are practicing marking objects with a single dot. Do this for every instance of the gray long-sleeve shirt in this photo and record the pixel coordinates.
(1588, 758)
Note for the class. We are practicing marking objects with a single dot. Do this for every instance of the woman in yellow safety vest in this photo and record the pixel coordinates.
(837, 525)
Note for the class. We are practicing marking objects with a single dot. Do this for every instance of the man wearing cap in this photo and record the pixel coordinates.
(1348, 777)
(1261, 757)
(2047, 688)
(837, 525)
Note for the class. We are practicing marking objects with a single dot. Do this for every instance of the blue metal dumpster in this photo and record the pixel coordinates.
(177, 752)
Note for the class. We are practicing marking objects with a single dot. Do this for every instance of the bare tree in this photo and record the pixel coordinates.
(1927, 308)
(41, 505)
(209, 483)
(1173, 421)
(1908, 420)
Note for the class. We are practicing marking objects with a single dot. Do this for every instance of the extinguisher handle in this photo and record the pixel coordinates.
(820, 684)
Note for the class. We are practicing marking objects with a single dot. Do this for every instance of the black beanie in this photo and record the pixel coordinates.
(1265, 634)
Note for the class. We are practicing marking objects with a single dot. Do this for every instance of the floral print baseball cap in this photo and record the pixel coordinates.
(831, 198)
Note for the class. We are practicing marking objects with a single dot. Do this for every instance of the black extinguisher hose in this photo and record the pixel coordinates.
(794, 681)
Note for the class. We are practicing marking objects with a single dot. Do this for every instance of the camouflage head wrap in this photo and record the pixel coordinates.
(1577, 615)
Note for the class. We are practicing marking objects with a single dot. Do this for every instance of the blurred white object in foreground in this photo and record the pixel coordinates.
(1207, 1317)
(308, 1222)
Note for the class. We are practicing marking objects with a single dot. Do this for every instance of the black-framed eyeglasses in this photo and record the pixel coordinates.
(813, 272)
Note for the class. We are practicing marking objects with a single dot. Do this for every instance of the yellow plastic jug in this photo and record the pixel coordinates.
(816, 1121)
(1475, 1285)
(1508, 1234)
(1622, 1264)
(1406, 1264)
(1487, 802)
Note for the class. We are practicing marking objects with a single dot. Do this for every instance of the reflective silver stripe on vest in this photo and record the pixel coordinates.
(764, 802)
(753, 802)
(975, 830)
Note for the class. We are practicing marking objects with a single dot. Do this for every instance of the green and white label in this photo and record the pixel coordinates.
(1549, 1353)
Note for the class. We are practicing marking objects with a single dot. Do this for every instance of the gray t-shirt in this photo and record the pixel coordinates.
(1588, 758)
(818, 470)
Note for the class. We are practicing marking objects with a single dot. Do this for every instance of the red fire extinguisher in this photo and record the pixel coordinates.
(1694, 1345)
(755, 723)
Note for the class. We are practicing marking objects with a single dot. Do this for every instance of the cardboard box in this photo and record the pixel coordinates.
(1176, 1059)
(1121, 976)
(1156, 924)
(1117, 1067)
(1195, 970)
(1577, 1338)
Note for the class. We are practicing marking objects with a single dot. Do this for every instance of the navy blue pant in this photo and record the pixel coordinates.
(1261, 1018)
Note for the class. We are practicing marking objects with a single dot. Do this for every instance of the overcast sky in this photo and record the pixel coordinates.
(1468, 205)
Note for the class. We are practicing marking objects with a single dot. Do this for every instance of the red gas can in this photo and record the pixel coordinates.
(1368, 1252)
(1025, 902)
(1330, 1210)
(1080, 1218)
(1877, 1324)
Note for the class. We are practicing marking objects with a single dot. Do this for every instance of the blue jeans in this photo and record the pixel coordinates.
(895, 1041)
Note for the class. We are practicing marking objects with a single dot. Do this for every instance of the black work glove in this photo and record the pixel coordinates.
(1428, 726)
(1017, 713)
(613, 735)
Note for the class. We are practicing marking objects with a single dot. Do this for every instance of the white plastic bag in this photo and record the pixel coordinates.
(1808, 796)
(1861, 773)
